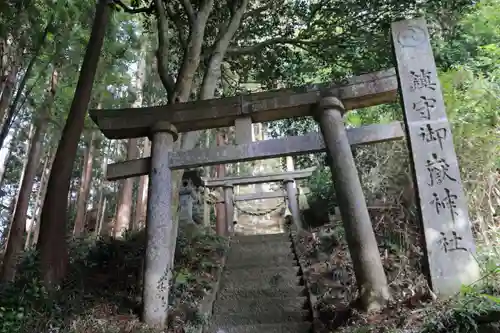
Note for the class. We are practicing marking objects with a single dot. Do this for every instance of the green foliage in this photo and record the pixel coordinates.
(322, 191)
(471, 312)
(102, 272)
(19, 306)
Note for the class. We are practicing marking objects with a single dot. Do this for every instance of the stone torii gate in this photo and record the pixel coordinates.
(442, 204)
(228, 183)
(162, 123)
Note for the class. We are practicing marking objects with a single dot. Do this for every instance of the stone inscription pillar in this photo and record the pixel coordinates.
(228, 208)
(441, 200)
(370, 276)
(291, 191)
(160, 229)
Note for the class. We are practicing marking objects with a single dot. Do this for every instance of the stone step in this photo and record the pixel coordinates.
(274, 243)
(261, 259)
(248, 305)
(271, 282)
(258, 272)
(269, 238)
(290, 291)
(259, 275)
(258, 317)
(304, 327)
(263, 248)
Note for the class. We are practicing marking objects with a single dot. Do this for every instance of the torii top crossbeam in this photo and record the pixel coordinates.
(357, 92)
(259, 179)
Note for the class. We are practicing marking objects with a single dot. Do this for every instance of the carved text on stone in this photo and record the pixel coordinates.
(438, 170)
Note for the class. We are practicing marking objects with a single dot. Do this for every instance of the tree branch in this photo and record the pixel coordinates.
(192, 54)
(163, 47)
(213, 70)
(259, 10)
(237, 51)
(178, 24)
(188, 7)
(148, 9)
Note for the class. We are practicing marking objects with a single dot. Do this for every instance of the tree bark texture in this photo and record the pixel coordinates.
(15, 242)
(101, 209)
(14, 230)
(83, 193)
(42, 190)
(13, 109)
(52, 243)
(124, 211)
(8, 90)
(142, 193)
(4, 162)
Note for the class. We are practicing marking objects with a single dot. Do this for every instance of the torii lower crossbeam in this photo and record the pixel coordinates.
(292, 145)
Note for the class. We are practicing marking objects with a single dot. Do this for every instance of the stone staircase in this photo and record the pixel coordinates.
(261, 290)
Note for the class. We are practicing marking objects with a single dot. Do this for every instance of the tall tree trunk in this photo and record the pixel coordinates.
(72, 189)
(85, 180)
(125, 207)
(124, 211)
(42, 191)
(142, 193)
(13, 107)
(101, 209)
(52, 243)
(101, 217)
(15, 243)
(8, 90)
(109, 224)
(38, 201)
(15, 199)
(5, 160)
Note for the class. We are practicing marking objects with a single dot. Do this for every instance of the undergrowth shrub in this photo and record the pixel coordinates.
(102, 291)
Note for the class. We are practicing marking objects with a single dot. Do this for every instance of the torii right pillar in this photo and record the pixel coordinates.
(441, 200)
(367, 264)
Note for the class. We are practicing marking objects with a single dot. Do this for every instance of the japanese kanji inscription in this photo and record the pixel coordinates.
(443, 205)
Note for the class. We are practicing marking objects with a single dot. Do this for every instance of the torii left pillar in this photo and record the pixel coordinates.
(228, 208)
(160, 229)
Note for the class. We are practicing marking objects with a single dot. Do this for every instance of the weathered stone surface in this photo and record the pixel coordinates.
(270, 278)
(186, 203)
(359, 232)
(260, 317)
(357, 92)
(259, 196)
(260, 238)
(260, 272)
(235, 306)
(290, 291)
(443, 206)
(272, 248)
(243, 130)
(252, 297)
(292, 145)
(259, 179)
(261, 259)
(228, 207)
(161, 231)
(304, 327)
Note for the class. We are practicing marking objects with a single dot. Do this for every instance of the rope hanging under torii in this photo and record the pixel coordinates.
(259, 212)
